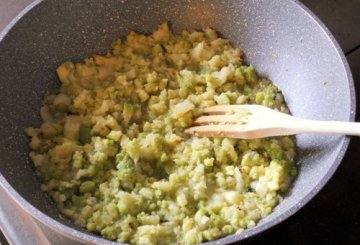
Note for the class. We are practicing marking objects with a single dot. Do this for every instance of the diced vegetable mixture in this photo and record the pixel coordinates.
(113, 154)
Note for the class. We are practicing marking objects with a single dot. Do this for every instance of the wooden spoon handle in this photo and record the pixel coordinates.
(326, 127)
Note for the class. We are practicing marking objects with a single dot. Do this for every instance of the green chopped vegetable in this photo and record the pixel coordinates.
(113, 154)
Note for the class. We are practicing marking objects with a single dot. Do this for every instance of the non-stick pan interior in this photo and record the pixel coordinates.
(283, 41)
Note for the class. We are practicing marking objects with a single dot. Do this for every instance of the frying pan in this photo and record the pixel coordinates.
(282, 39)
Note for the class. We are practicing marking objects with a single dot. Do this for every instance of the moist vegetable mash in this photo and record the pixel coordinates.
(113, 154)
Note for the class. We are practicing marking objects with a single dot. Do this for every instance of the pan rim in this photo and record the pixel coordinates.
(93, 239)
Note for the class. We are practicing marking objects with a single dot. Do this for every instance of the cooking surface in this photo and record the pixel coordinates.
(332, 217)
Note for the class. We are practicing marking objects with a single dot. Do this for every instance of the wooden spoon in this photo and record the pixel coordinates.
(255, 121)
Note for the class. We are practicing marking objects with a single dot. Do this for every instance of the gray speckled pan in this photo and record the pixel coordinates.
(282, 39)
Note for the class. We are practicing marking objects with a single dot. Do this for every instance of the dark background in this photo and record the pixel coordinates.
(333, 216)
